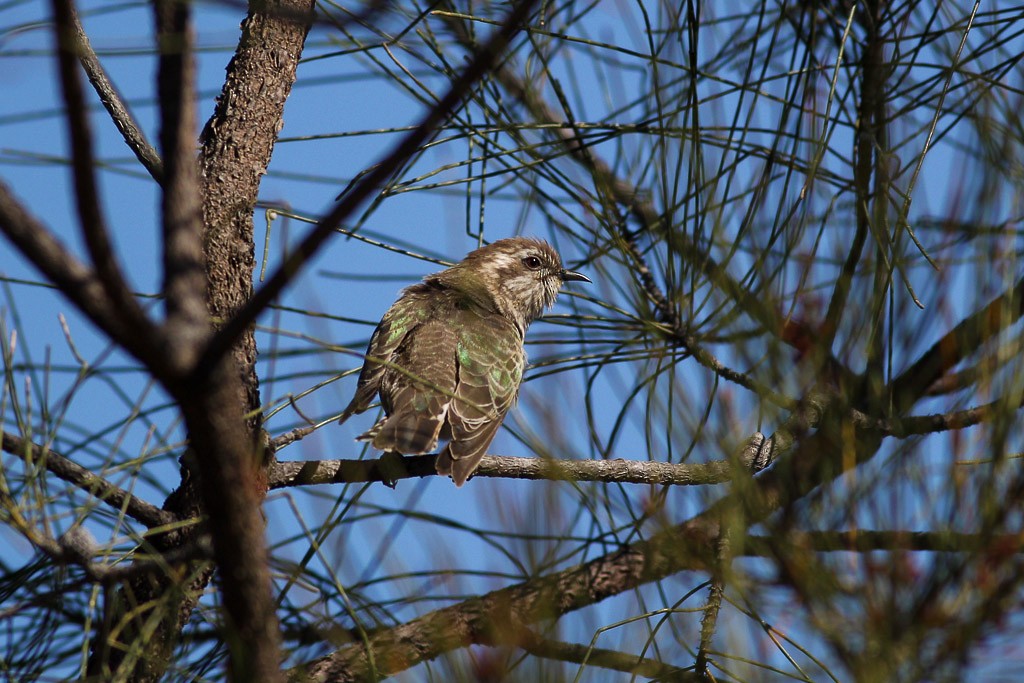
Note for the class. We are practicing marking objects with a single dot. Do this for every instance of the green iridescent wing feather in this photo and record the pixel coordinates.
(416, 394)
(401, 319)
(490, 368)
(451, 371)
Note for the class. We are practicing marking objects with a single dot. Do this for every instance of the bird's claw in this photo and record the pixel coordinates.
(391, 466)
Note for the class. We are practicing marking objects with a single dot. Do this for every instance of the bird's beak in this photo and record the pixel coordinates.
(573, 276)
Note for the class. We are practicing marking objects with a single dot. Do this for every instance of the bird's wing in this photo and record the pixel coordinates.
(490, 368)
(417, 389)
(401, 319)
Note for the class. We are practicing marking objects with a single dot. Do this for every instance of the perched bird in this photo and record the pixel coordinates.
(447, 358)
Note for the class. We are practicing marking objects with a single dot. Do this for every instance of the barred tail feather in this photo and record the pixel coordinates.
(408, 434)
(458, 468)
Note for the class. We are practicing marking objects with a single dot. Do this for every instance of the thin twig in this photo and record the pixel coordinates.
(115, 104)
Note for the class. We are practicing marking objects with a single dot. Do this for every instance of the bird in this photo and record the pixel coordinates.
(447, 358)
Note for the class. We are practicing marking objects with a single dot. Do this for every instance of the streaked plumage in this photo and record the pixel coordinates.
(447, 358)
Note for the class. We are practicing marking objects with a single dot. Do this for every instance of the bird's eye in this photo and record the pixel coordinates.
(531, 262)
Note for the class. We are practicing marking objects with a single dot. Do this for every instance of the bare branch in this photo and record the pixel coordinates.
(942, 422)
(388, 469)
(83, 164)
(115, 104)
(94, 485)
(605, 659)
(957, 344)
(709, 620)
(187, 325)
(74, 279)
(500, 615)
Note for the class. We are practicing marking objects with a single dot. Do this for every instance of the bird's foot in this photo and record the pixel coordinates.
(391, 466)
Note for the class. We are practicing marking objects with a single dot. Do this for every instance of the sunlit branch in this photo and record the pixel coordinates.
(755, 456)
(115, 105)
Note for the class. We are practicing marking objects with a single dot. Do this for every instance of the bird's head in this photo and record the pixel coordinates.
(518, 276)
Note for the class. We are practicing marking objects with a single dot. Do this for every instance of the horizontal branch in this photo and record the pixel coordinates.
(755, 456)
(914, 425)
(94, 485)
(957, 419)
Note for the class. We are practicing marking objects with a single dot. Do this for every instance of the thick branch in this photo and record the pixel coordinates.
(223, 476)
(238, 142)
(499, 616)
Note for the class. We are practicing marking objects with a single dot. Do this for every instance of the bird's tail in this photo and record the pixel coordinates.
(458, 466)
(408, 434)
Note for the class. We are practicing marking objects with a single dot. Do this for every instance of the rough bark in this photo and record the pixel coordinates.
(223, 472)
(237, 144)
